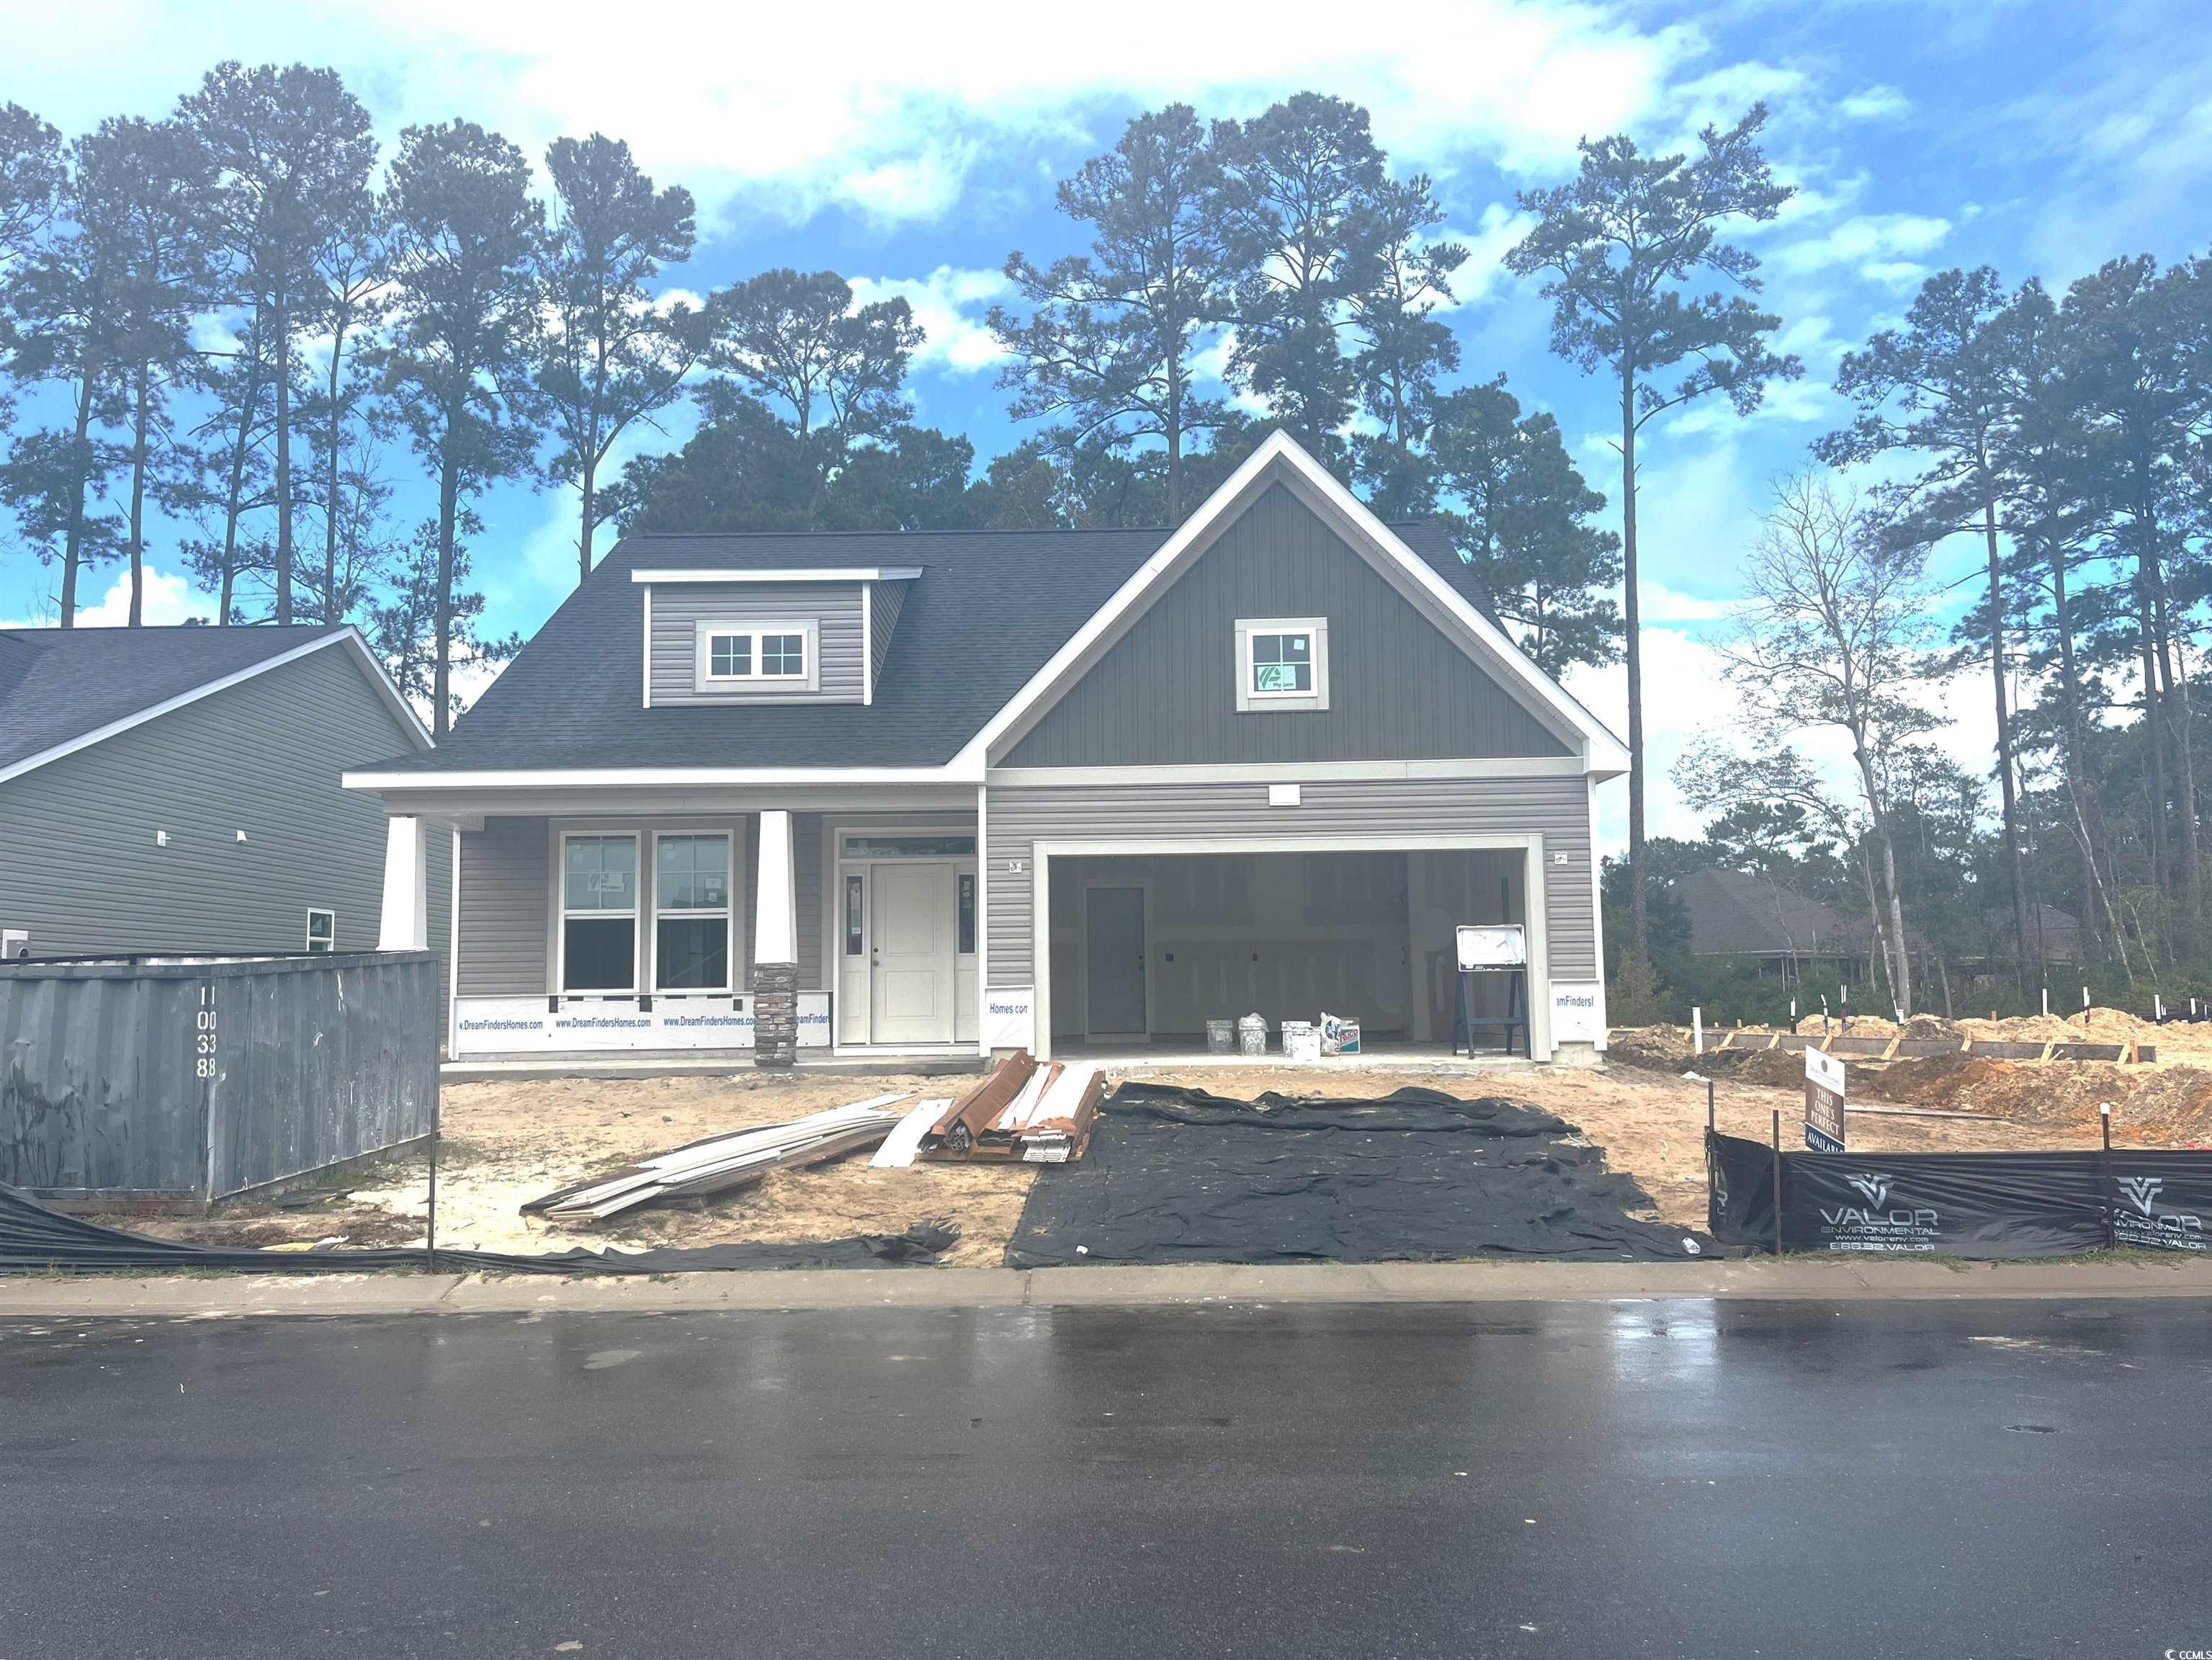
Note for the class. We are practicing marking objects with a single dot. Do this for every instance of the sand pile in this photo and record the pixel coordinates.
(2158, 1106)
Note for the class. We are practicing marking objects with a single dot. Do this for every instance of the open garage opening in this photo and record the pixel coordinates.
(1146, 949)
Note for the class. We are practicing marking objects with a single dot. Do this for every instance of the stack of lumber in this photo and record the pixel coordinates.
(1020, 1110)
(720, 1162)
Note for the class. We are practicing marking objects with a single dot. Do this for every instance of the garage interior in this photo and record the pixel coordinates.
(1146, 949)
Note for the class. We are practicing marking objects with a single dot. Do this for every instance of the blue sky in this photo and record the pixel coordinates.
(910, 147)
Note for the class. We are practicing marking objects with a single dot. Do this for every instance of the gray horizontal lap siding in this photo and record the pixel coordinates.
(1556, 808)
(506, 869)
(83, 869)
(1165, 693)
(679, 608)
(507, 901)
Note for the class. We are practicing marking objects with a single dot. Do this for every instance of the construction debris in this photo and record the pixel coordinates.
(899, 1146)
(717, 1164)
(1019, 1110)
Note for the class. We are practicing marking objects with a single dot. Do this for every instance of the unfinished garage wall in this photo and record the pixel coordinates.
(1285, 934)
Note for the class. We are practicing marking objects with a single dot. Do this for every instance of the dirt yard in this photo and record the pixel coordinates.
(510, 1141)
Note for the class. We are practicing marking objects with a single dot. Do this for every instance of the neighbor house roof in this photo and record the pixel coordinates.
(1735, 914)
(983, 612)
(62, 689)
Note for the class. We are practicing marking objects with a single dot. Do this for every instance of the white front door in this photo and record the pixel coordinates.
(910, 996)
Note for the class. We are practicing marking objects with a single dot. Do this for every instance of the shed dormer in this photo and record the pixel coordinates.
(766, 636)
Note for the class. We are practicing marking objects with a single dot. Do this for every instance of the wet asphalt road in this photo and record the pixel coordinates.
(1650, 1479)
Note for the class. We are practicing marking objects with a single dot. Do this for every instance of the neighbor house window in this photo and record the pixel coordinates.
(322, 930)
(598, 913)
(758, 656)
(1282, 663)
(691, 912)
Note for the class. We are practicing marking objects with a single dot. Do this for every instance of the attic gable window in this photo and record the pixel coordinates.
(1282, 664)
(750, 656)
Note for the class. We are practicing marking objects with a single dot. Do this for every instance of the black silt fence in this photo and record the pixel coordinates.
(1978, 1204)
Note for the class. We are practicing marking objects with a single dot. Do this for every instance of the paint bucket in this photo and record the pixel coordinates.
(1252, 1035)
(1221, 1037)
(1301, 1040)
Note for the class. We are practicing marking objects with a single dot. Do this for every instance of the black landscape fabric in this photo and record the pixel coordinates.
(1980, 1205)
(35, 1239)
(1180, 1175)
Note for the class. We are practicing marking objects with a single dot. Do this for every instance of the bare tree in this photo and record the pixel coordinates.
(1833, 635)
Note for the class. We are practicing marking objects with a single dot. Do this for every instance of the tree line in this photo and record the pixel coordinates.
(238, 322)
(2066, 437)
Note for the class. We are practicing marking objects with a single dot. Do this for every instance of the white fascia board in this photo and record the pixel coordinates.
(416, 733)
(1602, 753)
(647, 777)
(1289, 772)
(849, 573)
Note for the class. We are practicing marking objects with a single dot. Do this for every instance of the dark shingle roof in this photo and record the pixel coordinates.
(1734, 913)
(989, 610)
(59, 685)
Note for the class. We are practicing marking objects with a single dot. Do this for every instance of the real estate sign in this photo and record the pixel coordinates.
(1824, 1102)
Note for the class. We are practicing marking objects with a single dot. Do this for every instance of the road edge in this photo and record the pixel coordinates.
(1820, 1279)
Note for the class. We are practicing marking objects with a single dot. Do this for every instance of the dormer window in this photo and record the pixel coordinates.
(753, 656)
(1282, 664)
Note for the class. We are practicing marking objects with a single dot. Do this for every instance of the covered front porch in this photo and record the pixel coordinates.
(708, 931)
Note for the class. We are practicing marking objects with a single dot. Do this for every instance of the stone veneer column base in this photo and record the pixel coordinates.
(775, 1014)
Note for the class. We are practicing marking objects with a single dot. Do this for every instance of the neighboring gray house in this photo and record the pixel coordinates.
(177, 790)
(1734, 913)
(953, 793)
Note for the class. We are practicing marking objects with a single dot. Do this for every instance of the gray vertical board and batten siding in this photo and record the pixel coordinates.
(678, 608)
(1555, 807)
(313, 1061)
(1399, 687)
(84, 871)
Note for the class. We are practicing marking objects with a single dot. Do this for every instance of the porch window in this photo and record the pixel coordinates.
(967, 941)
(738, 656)
(855, 896)
(1282, 663)
(598, 914)
(691, 912)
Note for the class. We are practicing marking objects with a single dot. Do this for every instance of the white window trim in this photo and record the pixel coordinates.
(1249, 701)
(563, 914)
(732, 875)
(705, 680)
(331, 944)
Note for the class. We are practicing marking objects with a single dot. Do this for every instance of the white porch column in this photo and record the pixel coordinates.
(405, 923)
(775, 946)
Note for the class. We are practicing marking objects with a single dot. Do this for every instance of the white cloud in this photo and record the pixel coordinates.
(874, 110)
(1484, 272)
(950, 304)
(170, 599)
(1874, 103)
(1877, 247)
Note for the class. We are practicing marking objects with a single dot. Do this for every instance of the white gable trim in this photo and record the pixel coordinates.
(849, 574)
(1601, 753)
(409, 722)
